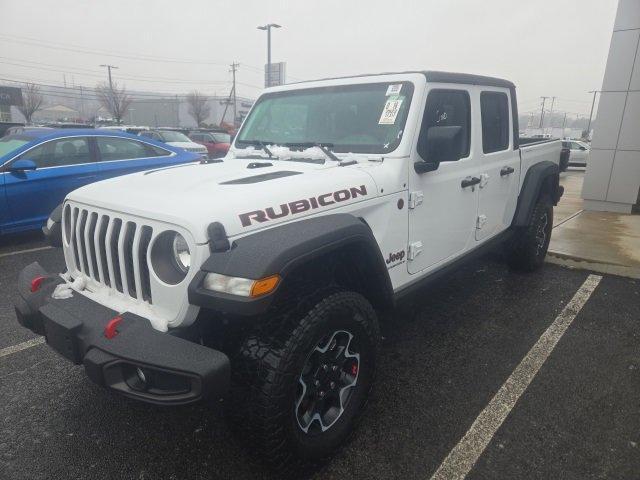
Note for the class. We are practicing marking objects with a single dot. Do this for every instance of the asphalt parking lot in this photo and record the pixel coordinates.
(441, 366)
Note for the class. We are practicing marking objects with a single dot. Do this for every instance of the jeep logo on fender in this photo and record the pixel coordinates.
(299, 206)
(395, 257)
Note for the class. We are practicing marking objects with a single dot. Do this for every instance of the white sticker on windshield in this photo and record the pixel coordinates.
(394, 89)
(390, 111)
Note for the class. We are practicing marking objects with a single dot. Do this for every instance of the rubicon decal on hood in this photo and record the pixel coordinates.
(299, 206)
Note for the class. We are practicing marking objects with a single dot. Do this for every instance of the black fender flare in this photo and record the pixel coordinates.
(53, 228)
(281, 250)
(533, 183)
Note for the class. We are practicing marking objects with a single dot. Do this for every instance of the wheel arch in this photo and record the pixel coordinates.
(542, 179)
(312, 250)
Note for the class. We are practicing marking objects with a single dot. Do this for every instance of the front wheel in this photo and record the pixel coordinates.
(528, 247)
(300, 382)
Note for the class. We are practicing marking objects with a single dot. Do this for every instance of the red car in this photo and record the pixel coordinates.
(217, 143)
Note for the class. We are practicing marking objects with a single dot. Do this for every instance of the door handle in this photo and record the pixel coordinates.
(469, 182)
(506, 171)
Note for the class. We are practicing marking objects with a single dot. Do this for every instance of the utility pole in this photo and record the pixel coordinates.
(111, 99)
(234, 67)
(177, 111)
(268, 28)
(564, 121)
(544, 99)
(593, 102)
(109, 67)
(553, 100)
(81, 102)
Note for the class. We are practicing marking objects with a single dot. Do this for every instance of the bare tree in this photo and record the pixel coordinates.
(31, 101)
(114, 99)
(199, 109)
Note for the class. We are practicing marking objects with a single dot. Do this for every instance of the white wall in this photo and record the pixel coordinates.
(613, 170)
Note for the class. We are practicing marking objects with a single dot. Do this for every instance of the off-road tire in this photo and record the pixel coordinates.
(268, 366)
(529, 245)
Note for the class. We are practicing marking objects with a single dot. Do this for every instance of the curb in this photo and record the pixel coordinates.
(571, 261)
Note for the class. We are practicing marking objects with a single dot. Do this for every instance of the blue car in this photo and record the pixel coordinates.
(38, 168)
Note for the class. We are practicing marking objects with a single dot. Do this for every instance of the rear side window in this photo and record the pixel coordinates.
(112, 148)
(447, 108)
(494, 107)
(60, 153)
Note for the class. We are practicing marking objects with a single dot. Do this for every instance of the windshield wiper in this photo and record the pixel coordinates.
(259, 143)
(325, 147)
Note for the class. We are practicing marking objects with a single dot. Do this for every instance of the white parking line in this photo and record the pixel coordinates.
(29, 250)
(464, 455)
(21, 346)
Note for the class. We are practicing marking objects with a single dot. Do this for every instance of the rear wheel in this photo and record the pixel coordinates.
(527, 249)
(301, 381)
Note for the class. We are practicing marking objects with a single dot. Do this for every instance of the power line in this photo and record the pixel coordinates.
(78, 49)
(142, 57)
(94, 73)
(51, 88)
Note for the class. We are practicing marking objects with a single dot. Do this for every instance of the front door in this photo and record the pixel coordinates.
(443, 203)
(500, 165)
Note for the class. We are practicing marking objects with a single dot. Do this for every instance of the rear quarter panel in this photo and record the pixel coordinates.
(534, 153)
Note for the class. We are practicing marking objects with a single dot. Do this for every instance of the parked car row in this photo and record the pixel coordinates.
(39, 167)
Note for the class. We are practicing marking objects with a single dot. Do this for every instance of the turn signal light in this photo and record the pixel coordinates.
(264, 286)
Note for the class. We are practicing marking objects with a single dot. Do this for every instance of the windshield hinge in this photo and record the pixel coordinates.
(415, 199)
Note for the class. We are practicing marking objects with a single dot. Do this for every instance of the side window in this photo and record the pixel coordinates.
(60, 153)
(494, 108)
(112, 148)
(446, 108)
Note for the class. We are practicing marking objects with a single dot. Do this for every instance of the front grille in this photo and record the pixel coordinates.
(110, 250)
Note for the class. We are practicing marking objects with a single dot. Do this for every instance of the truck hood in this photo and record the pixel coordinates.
(243, 195)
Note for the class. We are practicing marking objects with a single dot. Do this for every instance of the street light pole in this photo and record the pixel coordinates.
(268, 28)
(593, 102)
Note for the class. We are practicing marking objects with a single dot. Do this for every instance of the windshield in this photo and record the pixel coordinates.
(221, 137)
(367, 118)
(11, 143)
(174, 137)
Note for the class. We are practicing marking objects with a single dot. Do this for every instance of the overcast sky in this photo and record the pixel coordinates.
(547, 47)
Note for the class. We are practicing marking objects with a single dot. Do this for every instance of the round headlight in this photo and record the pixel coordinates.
(181, 253)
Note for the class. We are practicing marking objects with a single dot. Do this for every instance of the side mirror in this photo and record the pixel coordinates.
(583, 148)
(22, 165)
(442, 144)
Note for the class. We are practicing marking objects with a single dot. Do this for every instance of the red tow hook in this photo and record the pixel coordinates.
(110, 330)
(36, 283)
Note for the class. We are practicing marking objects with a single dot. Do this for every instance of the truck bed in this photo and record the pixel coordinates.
(535, 150)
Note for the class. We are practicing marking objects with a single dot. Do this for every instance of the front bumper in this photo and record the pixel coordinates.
(139, 361)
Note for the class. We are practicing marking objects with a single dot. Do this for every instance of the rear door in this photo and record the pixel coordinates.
(443, 203)
(62, 166)
(120, 156)
(500, 164)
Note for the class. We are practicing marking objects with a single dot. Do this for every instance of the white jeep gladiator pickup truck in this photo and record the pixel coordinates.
(260, 277)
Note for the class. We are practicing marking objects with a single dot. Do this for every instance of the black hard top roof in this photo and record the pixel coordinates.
(440, 77)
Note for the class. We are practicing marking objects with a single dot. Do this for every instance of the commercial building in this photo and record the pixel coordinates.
(612, 181)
